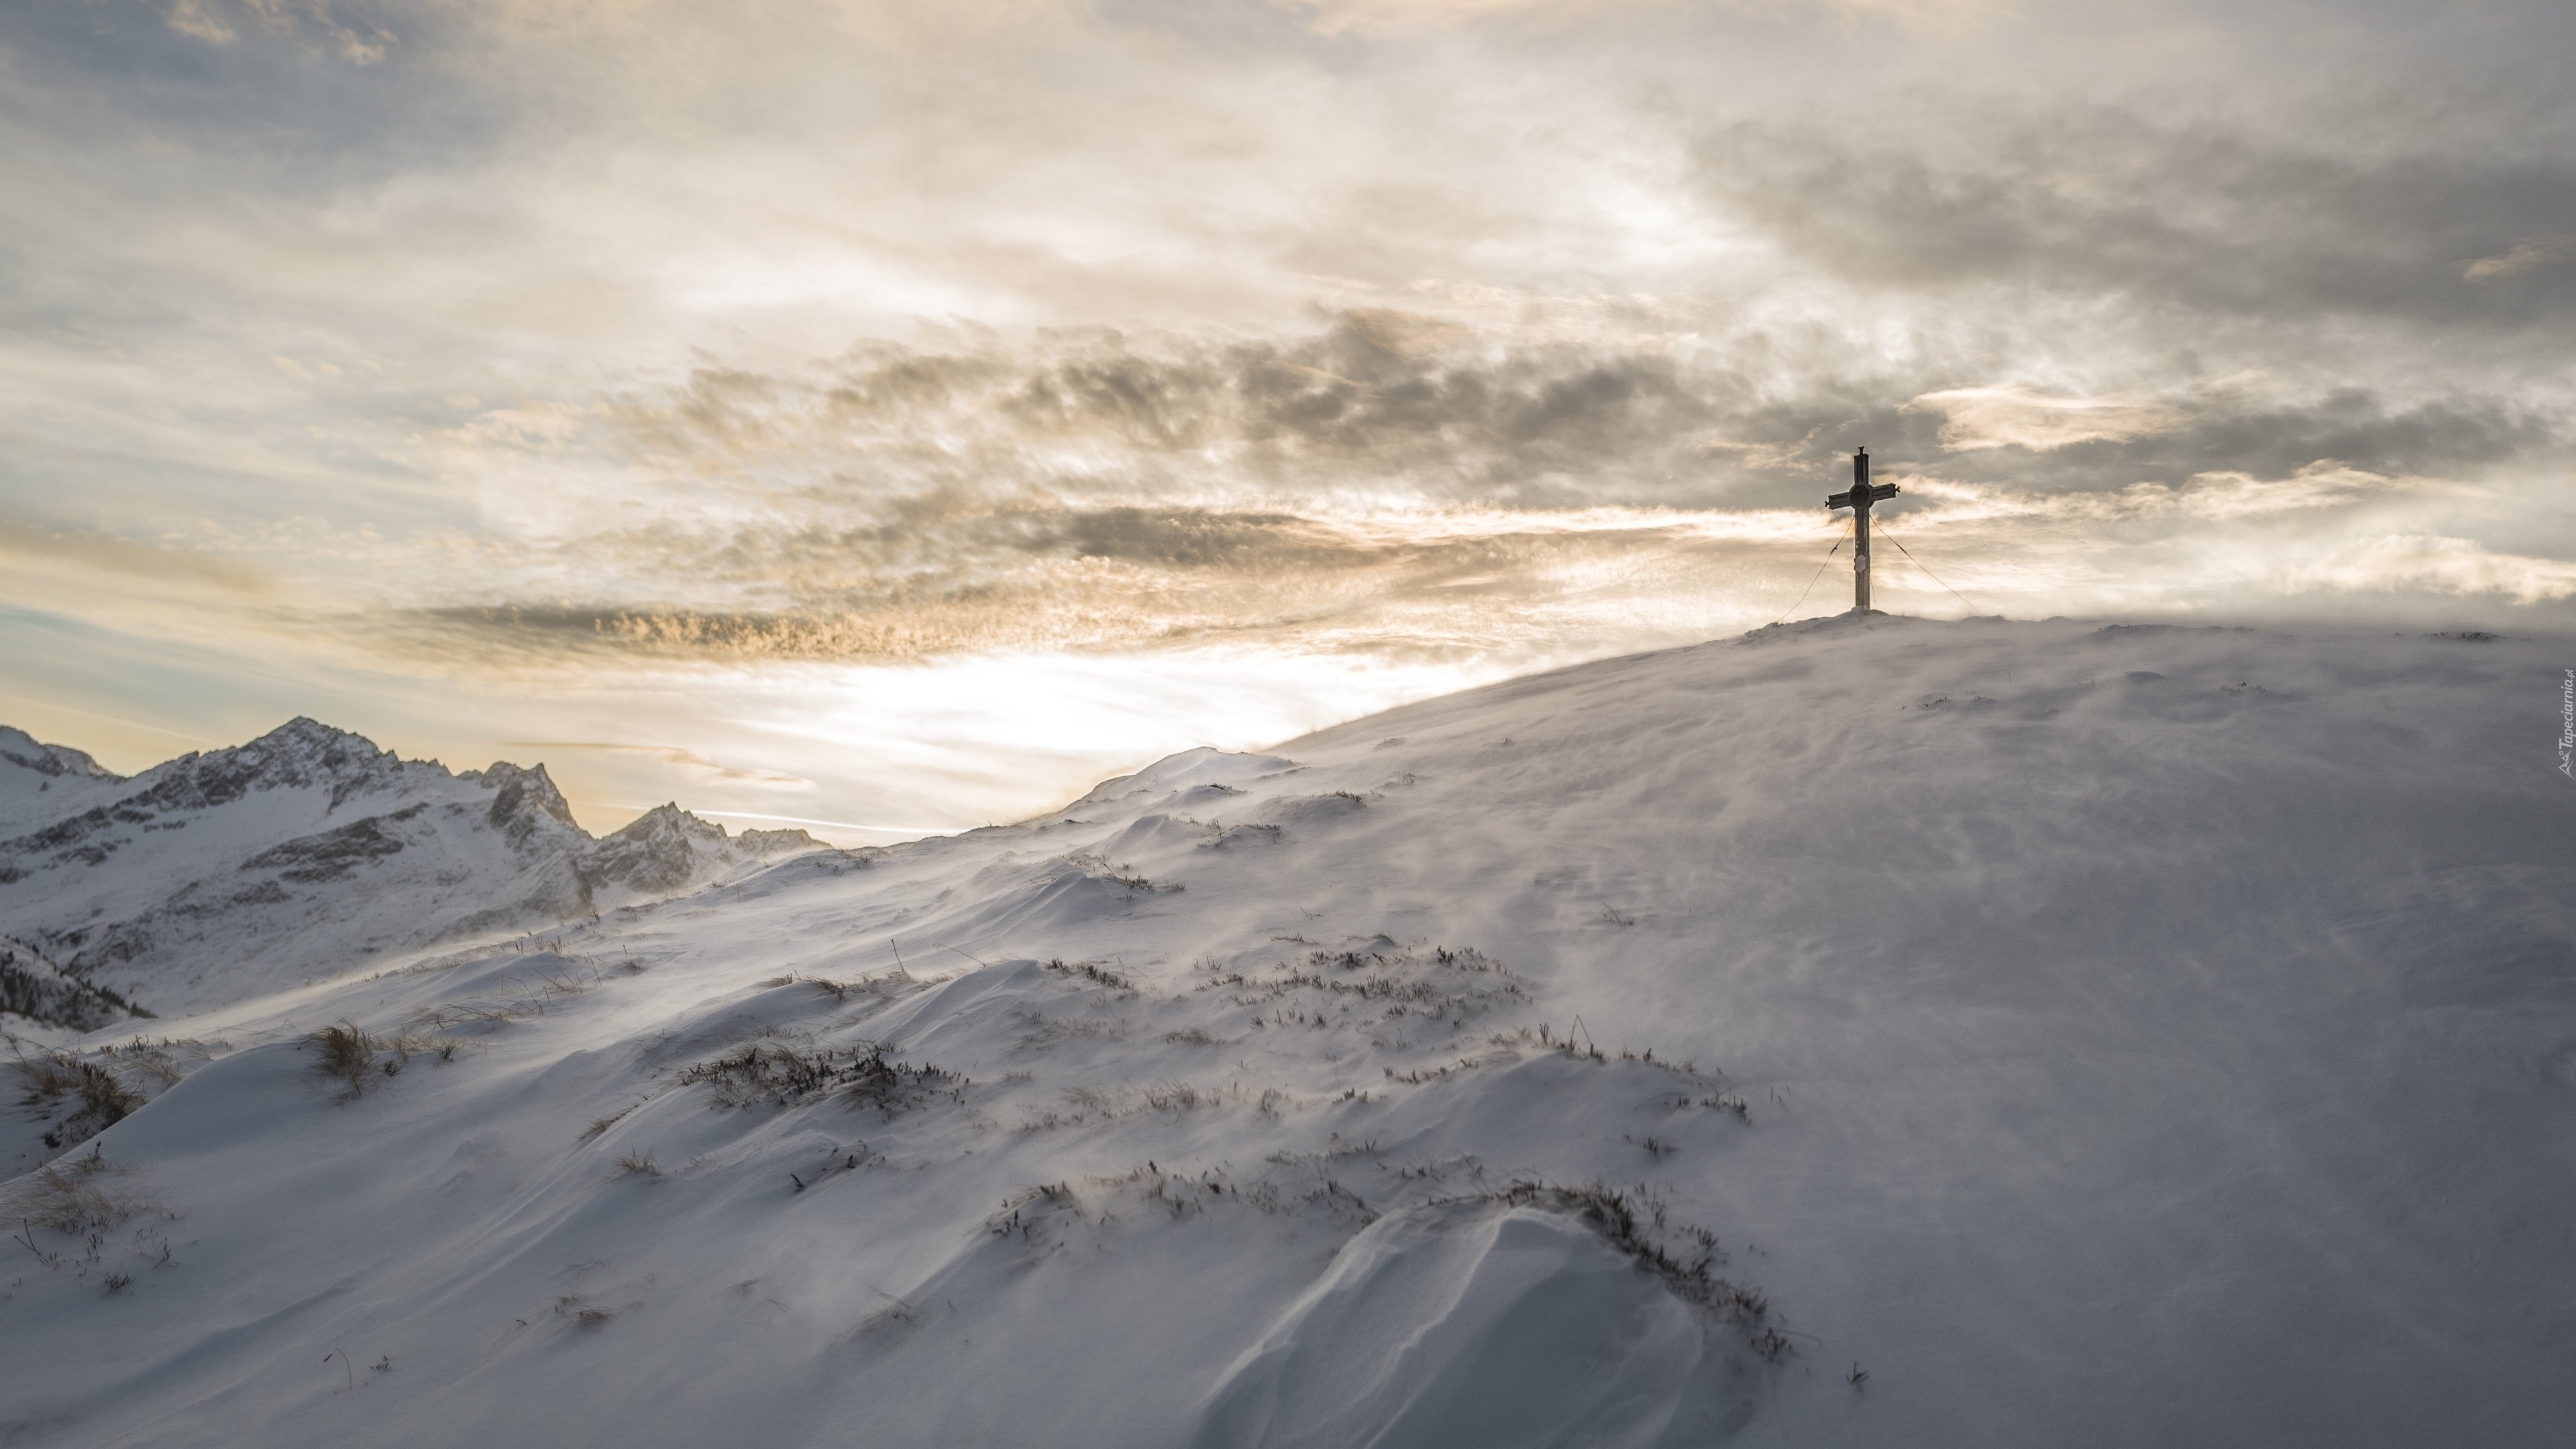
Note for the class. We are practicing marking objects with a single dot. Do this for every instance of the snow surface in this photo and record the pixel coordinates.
(2141, 1036)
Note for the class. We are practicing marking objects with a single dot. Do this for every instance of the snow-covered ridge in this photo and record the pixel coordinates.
(40, 781)
(306, 852)
(1868, 1032)
(23, 750)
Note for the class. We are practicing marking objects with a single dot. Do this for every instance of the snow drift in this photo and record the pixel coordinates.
(2104, 1036)
(1500, 1328)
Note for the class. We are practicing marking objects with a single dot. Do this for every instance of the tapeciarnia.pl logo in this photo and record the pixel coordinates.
(2567, 725)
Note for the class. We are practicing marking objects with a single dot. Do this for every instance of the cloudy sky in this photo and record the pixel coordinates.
(900, 415)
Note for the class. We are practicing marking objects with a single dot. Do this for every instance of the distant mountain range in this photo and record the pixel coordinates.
(305, 854)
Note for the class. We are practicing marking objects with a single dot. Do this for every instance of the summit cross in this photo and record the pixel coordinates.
(1863, 493)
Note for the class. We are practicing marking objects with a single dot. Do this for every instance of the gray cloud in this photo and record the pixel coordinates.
(1027, 576)
(1440, 411)
(2274, 438)
(2166, 211)
(1371, 398)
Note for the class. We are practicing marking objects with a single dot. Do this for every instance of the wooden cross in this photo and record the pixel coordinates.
(1863, 493)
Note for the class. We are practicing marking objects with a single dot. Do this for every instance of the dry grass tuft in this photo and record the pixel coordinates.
(1094, 972)
(765, 1073)
(1177, 1097)
(50, 1081)
(345, 1053)
(78, 1195)
(357, 1059)
(599, 1125)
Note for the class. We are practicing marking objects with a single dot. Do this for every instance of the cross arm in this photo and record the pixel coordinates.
(1877, 492)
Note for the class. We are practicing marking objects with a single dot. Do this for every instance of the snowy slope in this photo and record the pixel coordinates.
(310, 852)
(2101, 1036)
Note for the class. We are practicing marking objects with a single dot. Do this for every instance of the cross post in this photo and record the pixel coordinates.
(1863, 493)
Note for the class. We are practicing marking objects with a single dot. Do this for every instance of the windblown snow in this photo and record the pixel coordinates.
(1870, 1031)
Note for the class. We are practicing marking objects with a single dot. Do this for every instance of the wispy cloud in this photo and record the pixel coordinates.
(2446, 565)
(685, 759)
(2521, 257)
(75, 551)
(2018, 417)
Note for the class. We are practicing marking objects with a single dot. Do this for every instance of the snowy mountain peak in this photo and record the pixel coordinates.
(666, 845)
(667, 820)
(304, 732)
(302, 750)
(300, 754)
(521, 797)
